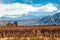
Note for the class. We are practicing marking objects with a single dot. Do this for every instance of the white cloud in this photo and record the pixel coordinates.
(47, 8)
(18, 8)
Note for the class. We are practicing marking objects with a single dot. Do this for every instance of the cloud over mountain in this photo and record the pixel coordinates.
(48, 8)
(18, 8)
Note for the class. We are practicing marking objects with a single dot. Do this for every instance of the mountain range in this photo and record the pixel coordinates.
(32, 19)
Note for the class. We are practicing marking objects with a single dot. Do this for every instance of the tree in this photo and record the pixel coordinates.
(16, 23)
(8, 24)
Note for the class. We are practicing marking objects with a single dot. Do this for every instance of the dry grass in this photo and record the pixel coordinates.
(30, 28)
(29, 38)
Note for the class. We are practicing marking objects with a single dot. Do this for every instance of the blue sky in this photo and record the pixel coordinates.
(33, 1)
(42, 2)
(53, 5)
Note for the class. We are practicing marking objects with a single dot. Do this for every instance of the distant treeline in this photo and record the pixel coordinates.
(15, 24)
